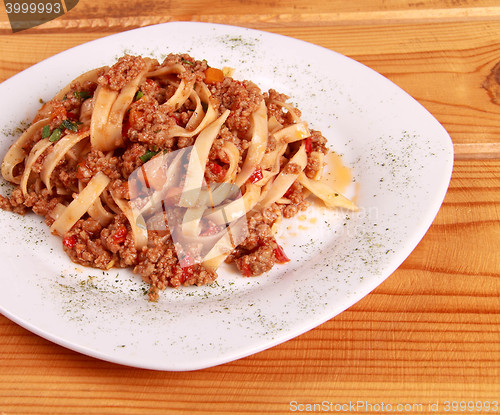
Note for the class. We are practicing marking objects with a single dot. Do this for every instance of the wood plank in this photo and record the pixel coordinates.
(444, 67)
(264, 14)
(477, 151)
(430, 332)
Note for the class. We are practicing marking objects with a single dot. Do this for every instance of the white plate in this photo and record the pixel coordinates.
(400, 156)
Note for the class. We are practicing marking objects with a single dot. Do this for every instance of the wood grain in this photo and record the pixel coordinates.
(115, 15)
(430, 332)
(443, 66)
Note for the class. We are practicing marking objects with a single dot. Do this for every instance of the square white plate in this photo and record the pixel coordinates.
(401, 159)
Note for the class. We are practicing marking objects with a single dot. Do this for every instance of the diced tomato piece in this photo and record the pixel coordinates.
(120, 234)
(125, 128)
(82, 171)
(213, 76)
(187, 266)
(217, 170)
(256, 175)
(58, 112)
(177, 118)
(184, 276)
(280, 256)
(245, 269)
(69, 241)
(186, 273)
(308, 144)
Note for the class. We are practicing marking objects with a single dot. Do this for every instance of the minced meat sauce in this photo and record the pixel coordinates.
(145, 129)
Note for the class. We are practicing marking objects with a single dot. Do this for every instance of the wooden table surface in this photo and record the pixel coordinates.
(429, 334)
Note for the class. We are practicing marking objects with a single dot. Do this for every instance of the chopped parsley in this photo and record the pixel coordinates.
(70, 125)
(56, 135)
(148, 155)
(46, 131)
(138, 95)
(188, 62)
(83, 95)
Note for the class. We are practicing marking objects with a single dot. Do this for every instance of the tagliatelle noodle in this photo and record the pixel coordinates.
(17, 153)
(258, 144)
(237, 208)
(292, 133)
(89, 76)
(233, 154)
(284, 180)
(329, 196)
(109, 109)
(139, 230)
(59, 151)
(181, 95)
(198, 161)
(80, 205)
(224, 246)
(98, 212)
(154, 199)
(35, 152)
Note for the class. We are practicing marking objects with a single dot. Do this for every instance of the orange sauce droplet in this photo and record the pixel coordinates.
(335, 173)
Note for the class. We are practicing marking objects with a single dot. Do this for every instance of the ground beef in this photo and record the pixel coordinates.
(131, 158)
(147, 130)
(257, 262)
(295, 194)
(58, 115)
(12, 204)
(77, 93)
(194, 69)
(118, 239)
(242, 98)
(42, 203)
(276, 110)
(95, 162)
(84, 246)
(150, 123)
(122, 72)
(292, 168)
(256, 254)
(159, 266)
(318, 142)
(289, 211)
(313, 166)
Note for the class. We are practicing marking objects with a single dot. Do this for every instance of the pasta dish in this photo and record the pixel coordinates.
(168, 168)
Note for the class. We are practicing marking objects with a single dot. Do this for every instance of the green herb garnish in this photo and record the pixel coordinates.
(45, 131)
(70, 125)
(188, 62)
(148, 155)
(83, 95)
(138, 95)
(56, 135)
